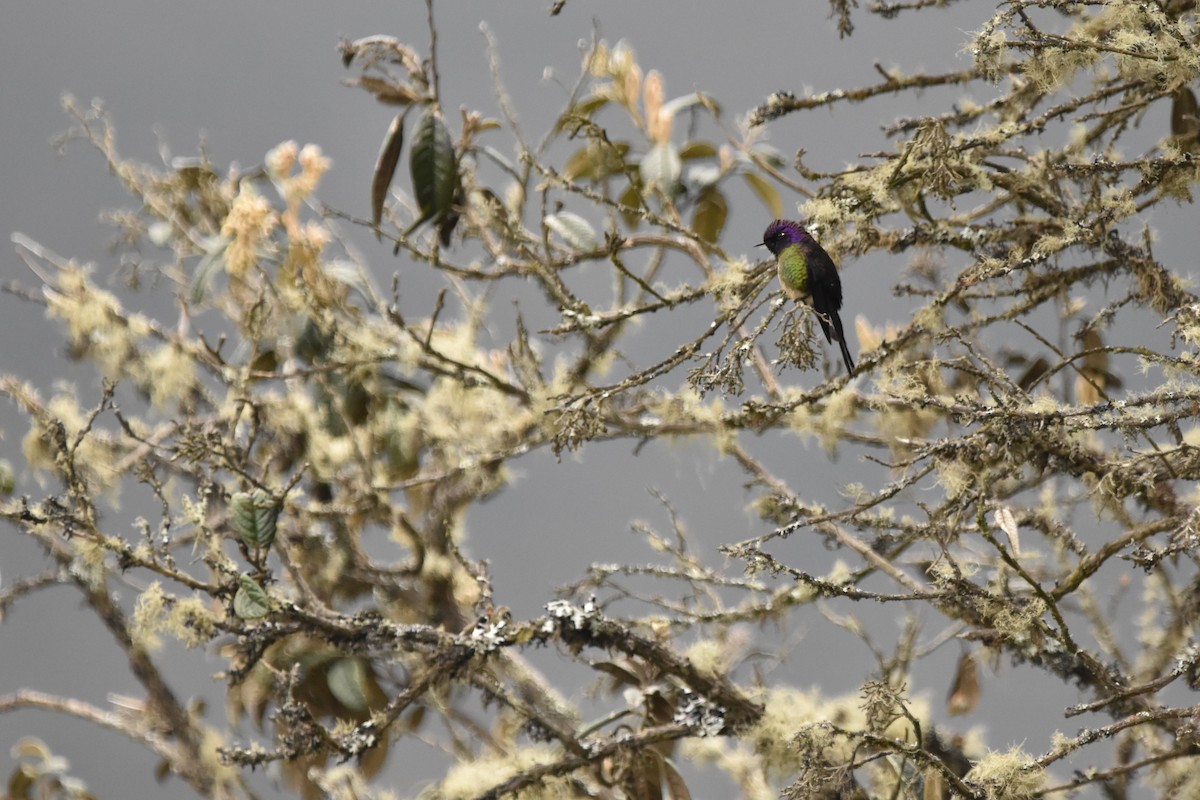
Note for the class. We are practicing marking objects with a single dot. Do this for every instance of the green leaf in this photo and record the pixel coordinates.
(676, 787)
(632, 198)
(214, 259)
(661, 167)
(254, 518)
(596, 161)
(766, 192)
(573, 229)
(694, 150)
(581, 164)
(711, 211)
(385, 168)
(8, 477)
(250, 601)
(1185, 113)
(434, 169)
(347, 681)
(582, 110)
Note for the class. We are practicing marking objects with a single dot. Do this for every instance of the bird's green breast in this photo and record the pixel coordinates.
(793, 271)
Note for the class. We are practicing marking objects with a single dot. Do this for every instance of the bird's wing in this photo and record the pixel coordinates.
(825, 289)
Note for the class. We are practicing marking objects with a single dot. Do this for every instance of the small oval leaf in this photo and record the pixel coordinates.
(677, 788)
(766, 192)
(214, 259)
(631, 202)
(251, 600)
(433, 167)
(347, 678)
(711, 211)
(582, 163)
(254, 518)
(596, 161)
(1185, 113)
(573, 229)
(966, 690)
(385, 169)
(581, 111)
(661, 167)
(694, 150)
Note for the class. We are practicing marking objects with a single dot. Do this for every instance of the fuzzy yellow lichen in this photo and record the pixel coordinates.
(248, 226)
(192, 622)
(470, 778)
(708, 657)
(955, 477)
(1012, 775)
(170, 375)
(726, 286)
(789, 711)
(95, 321)
(149, 613)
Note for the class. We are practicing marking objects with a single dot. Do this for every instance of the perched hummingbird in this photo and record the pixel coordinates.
(806, 270)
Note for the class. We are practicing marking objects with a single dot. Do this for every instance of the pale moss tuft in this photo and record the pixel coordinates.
(170, 375)
(95, 321)
(465, 588)
(1043, 404)
(1177, 181)
(840, 410)
(334, 565)
(1119, 201)
(839, 573)
(989, 48)
(192, 622)
(930, 318)
(790, 712)
(149, 612)
(223, 771)
(708, 657)
(1014, 620)
(1054, 68)
(823, 213)
(1012, 775)
(802, 421)
(194, 513)
(143, 552)
(470, 778)
(872, 336)
(1049, 244)
(436, 567)
(248, 226)
(785, 711)
(281, 159)
(726, 287)
(91, 558)
(188, 619)
(329, 454)
(1059, 740)
(955, 477)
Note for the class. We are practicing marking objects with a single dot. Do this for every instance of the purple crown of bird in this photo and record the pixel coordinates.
(807, 272)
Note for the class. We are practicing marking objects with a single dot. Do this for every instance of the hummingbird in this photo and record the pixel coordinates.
(807, 271)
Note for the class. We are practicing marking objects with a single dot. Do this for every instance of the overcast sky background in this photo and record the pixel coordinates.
(244, 77)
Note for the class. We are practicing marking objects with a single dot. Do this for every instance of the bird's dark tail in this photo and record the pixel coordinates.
(846, 356)
(841, 340)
